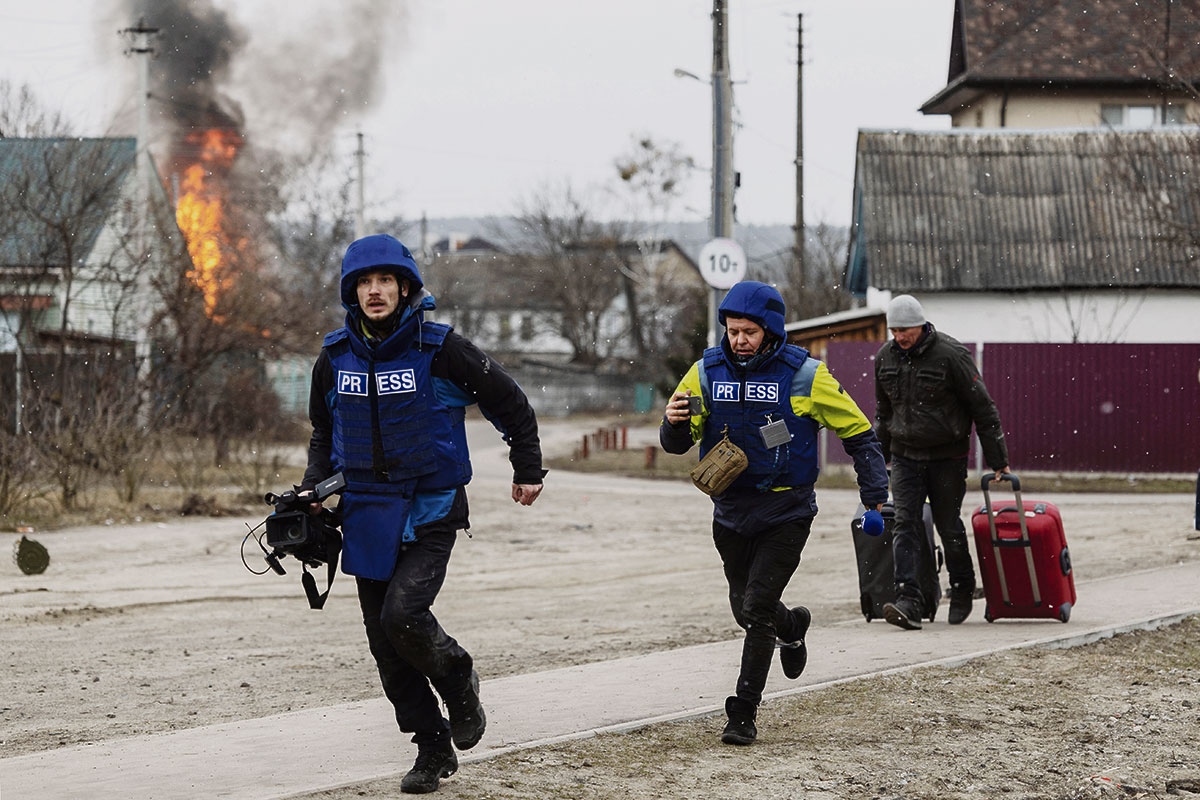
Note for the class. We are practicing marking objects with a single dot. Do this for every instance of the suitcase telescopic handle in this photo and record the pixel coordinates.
(1024, 542)
(988, 477)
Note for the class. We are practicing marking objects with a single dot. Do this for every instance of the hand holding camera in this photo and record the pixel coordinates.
(301, 527)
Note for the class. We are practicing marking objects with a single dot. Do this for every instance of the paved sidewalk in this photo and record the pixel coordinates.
(299, 752)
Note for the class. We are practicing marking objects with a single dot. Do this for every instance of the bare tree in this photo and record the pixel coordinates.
(653, 176)
(64, 199)
(23, 115)
(825, 257)
(113, 336)
(572, 265)
(309, 224)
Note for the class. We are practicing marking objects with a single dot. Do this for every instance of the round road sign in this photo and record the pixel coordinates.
(722, 262)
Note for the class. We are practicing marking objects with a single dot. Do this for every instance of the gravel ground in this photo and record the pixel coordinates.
(151, 628)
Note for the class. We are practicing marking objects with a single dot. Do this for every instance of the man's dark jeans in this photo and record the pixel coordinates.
(758, 569)
(944, 483)
(408, 643)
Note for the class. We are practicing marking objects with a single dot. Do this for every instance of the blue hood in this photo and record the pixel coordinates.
(757, 302)
(378, 251)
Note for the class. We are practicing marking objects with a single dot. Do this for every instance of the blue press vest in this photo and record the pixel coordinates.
(424, 443)
(744, 402)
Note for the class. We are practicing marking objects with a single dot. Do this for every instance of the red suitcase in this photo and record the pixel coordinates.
(1023, 557)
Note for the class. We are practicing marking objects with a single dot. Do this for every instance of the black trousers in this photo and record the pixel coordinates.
(757, 569)
(944, 483)
(410, 648)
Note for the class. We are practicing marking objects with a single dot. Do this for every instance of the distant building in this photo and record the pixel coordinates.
(68, 249)
(1071, 63)
(500, 300)
(1054, 236)
(1063, 205)
(79, 246)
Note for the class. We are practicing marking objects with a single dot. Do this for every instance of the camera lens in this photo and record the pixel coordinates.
(294, 533)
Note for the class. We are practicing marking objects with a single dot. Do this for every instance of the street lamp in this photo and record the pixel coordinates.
(721, 225)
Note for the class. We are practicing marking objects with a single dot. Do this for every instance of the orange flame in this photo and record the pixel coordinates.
(200, 215)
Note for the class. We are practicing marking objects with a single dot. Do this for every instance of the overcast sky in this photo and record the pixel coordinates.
(478, 104)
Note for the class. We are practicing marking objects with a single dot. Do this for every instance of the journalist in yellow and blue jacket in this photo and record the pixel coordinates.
(770, 398)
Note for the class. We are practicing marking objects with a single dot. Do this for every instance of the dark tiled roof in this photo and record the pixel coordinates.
(981, 210)
(55, 196)
(1070, 42)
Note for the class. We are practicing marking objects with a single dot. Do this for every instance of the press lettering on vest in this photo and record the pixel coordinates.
(762, 392)
(400, 382)
(352, 383)
(726, 391)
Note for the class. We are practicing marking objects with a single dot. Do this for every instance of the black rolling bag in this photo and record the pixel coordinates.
(876, 579)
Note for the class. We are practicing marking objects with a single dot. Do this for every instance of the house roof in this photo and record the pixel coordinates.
(1094, 43)
(486, 280)
(1001, 210)
(72, 182)
(464, 282)
(472, 244)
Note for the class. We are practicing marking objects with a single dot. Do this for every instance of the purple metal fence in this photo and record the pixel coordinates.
(1116, 408)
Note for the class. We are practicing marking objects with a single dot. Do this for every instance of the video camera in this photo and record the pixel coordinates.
(312, 539)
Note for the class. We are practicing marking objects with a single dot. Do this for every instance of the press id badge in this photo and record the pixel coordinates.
(774, 433)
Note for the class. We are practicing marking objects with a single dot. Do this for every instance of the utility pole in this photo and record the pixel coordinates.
(798, 247)
(360, 214)
(722, 169)
(424, 240)
(141, 36)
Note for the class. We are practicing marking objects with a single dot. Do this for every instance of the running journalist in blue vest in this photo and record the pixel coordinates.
(767, 399)
(389, 395)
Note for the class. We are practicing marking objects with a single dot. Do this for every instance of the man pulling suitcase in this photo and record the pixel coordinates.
(928, 394)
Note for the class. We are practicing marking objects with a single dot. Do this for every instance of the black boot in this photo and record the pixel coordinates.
(467, 720)
(793, 655)
(905, 612)
(961, 600)
(740, 729)
(433, 763)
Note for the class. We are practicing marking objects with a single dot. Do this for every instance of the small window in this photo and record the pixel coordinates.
(1176, 114)
(1141, 116)
(1117, 116)
(1113, 116)
(526, 327)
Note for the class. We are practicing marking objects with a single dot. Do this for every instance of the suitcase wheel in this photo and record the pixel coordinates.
(1064, 612)
(987, 614)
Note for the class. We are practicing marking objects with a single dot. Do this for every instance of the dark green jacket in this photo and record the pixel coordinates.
(927, 398)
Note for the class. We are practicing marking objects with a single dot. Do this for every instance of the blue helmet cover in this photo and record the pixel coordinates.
(378, 251)
(757, 302)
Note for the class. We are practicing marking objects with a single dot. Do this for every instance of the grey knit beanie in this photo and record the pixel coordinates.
(905, 312)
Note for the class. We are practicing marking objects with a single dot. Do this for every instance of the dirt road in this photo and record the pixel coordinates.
(150, 628)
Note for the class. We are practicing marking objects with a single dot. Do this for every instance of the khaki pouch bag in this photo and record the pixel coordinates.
(719, 467)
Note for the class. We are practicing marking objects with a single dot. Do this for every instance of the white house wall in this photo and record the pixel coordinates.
(1158, 316)
(1037, 110)
(101, 305)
